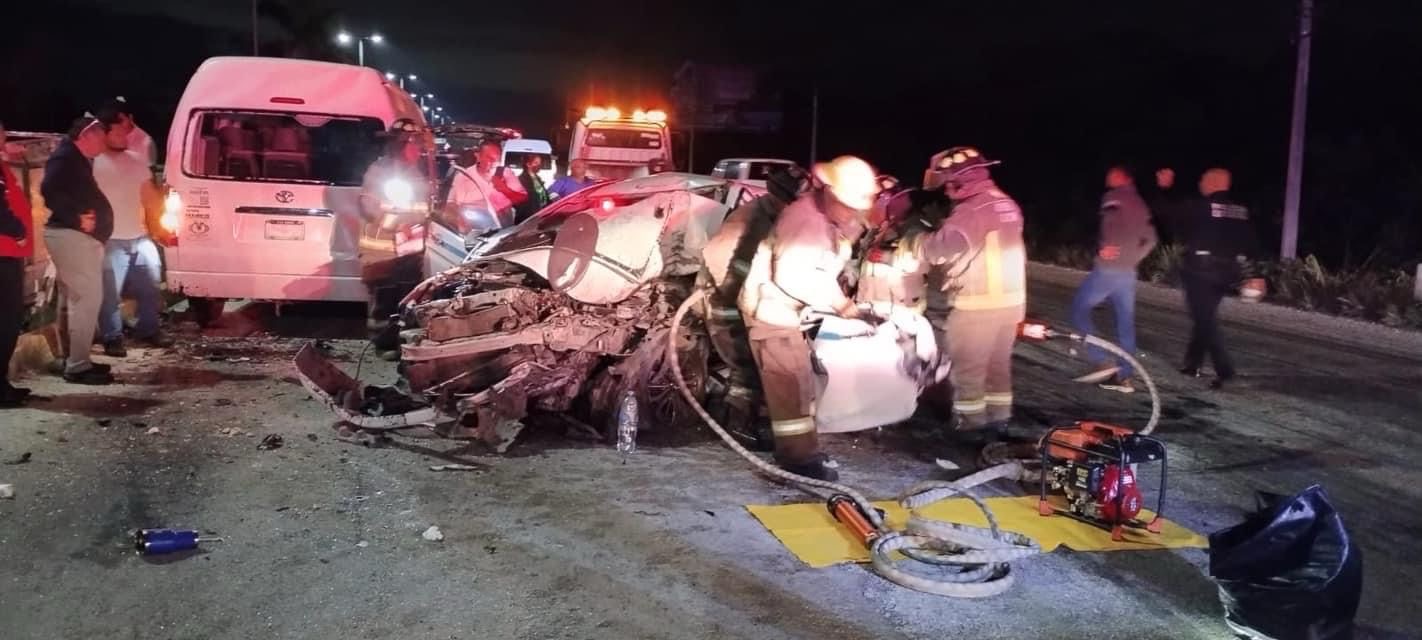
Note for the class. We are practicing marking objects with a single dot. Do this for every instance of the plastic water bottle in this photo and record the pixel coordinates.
(627, 423)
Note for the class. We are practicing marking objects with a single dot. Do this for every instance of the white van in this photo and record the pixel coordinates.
(517, 149)
(265, 162)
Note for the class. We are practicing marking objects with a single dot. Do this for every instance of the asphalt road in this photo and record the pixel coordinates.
(564, 539)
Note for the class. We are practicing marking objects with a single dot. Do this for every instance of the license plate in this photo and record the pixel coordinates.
(286, 230)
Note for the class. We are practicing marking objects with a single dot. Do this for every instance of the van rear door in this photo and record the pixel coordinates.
(276, 193)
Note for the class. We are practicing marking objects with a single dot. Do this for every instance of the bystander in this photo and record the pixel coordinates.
(16, 244)
(80, 222)
(131, 261)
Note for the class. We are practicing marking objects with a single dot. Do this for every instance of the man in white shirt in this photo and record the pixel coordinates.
(117, 110)
(487, 185)
(122, 175)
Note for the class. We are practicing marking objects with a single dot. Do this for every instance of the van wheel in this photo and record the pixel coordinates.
(207, 311)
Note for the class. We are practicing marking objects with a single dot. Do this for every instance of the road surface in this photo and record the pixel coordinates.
(563, 539)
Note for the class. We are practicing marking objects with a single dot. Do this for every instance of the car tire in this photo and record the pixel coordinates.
(207, 311)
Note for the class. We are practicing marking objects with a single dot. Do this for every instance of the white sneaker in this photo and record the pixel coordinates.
(1098, 376)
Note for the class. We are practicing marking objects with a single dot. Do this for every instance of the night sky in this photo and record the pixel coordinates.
(1057, 90)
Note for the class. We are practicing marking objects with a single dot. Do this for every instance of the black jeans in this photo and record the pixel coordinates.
(12, 311)
(1207, 281)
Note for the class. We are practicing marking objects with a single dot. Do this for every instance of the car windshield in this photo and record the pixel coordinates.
(625, 138)
(283, 147)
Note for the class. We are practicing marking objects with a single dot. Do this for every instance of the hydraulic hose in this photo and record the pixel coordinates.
(1025, 454)
(979, 555)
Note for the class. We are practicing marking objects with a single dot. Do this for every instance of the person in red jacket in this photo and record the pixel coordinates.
(16, 244)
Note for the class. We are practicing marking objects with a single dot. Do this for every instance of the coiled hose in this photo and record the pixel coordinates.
(974, 559)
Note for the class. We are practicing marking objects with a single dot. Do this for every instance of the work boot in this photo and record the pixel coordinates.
(816, 467)
(11, 397)
(159, 339)
(114, 348)
(91, 376)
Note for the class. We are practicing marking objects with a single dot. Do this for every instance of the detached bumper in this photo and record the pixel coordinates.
(343, 395)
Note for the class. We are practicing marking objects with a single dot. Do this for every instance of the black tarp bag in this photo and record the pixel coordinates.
(1289, 571)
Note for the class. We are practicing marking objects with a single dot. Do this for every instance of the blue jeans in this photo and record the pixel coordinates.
(137, 258)
(1120, 288)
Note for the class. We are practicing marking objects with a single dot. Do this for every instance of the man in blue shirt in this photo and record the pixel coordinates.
(576, 179)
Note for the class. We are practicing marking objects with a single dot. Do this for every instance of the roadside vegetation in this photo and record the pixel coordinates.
(1366, 292)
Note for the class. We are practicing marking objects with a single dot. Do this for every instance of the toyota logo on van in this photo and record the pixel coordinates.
(285, 197)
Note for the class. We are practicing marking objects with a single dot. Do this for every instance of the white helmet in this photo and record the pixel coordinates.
(851, 180)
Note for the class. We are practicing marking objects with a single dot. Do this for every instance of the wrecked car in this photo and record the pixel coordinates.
(570, 311)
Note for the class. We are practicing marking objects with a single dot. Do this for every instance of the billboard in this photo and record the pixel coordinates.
(725, 98)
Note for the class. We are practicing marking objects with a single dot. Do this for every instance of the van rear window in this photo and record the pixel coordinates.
(283, 147)
(625, 138)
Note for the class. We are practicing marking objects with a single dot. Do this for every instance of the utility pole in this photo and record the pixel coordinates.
(1289, 246)
(814, 126)
(256, 46)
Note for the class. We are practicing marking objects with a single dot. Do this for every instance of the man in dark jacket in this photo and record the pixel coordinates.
(1218, 239)
(80, 222)
(16, 244)
(1126, 238)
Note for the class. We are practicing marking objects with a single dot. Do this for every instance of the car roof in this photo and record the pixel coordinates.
(528, 145)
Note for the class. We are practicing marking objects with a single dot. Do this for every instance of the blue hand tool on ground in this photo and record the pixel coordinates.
(152, 542)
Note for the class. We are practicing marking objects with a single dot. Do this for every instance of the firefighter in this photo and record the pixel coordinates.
(981, 262)
(890, 278)
(1218, 239)
(394, 197)
(795, 273)
(726, 260)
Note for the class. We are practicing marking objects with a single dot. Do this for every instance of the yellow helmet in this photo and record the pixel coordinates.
(851, 180)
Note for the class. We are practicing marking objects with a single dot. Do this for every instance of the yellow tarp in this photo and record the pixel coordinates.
(814, 536)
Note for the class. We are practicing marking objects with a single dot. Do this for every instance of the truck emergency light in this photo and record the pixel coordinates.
(613, 113)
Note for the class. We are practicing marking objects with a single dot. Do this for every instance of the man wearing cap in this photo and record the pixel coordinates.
(80, 222)
(726, 259)
(982, 263)
(795, 274)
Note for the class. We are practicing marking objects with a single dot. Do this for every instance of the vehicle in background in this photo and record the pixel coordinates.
(517, 149)
(752, 170)
(265, 162)
(456, 144)
(617, 147)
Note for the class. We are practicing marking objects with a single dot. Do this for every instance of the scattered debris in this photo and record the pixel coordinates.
(947, 464)
(7, 492)
(455, 467)
(223, 402)
(153, 431)
(709, 512)
(61, 439)
(433, 534)
(159, 541)
(362, 544)
(649, 513)
(281, 509)
(271, 441)
(24, 458)
(490, 549)
(239, 359)
(138, 424)
(104, 422)
(311, 437)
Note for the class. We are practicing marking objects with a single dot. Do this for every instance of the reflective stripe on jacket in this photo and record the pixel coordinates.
(797, 267)
(981, 247)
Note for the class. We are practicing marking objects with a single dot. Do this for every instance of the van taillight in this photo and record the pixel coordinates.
(281, 100)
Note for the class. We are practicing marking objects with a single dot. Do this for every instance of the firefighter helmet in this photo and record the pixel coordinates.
(946, 164)
(851, 180)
